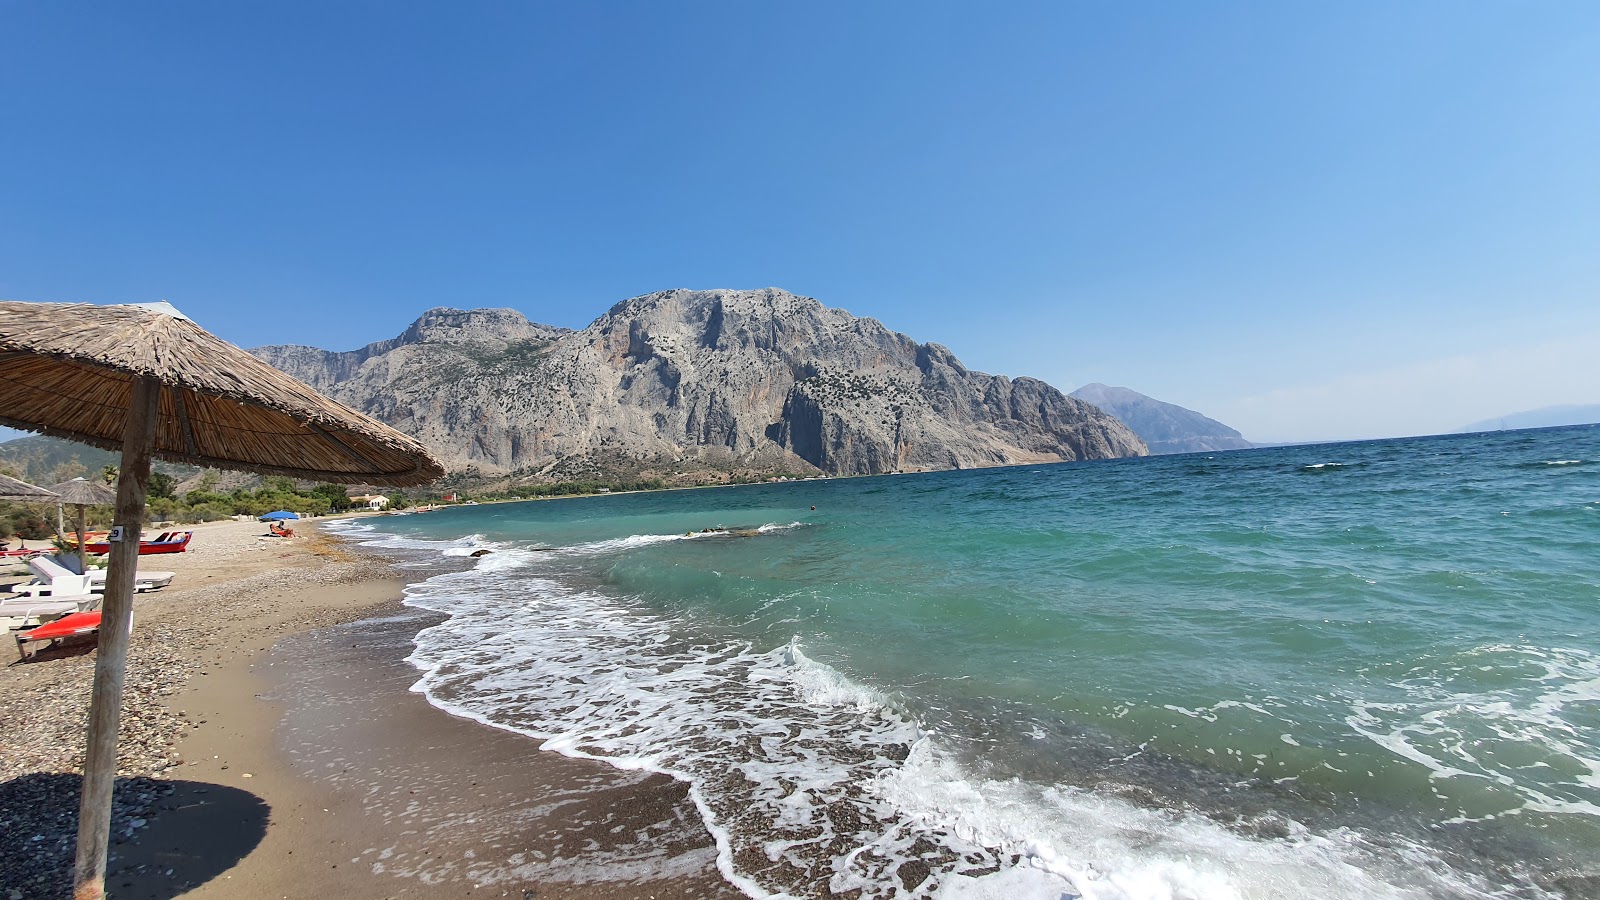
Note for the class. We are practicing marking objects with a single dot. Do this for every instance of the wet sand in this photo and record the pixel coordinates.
(297, 763)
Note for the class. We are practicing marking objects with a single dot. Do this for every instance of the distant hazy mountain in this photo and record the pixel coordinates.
(38, 459)
(1165, 427)
(1548, 417)
(44, 460)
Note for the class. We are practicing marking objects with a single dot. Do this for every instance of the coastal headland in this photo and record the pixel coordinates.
(271, 747)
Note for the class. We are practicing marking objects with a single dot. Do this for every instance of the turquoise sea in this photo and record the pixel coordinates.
(1347, 670)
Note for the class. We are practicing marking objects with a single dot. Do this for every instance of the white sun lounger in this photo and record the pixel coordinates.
(142, 581)
(18, 612)
(55, 580)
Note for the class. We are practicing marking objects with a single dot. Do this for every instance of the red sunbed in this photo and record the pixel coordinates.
(67, 626)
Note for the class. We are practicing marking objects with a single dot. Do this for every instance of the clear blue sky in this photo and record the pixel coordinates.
(1310, 221)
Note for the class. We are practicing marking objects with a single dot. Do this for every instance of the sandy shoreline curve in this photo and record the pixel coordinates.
(271, 748)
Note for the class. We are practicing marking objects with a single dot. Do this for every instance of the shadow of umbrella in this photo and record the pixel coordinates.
(145, 380)
(204, 830)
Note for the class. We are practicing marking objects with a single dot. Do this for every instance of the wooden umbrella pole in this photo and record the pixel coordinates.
(116, 624)
(83, 553)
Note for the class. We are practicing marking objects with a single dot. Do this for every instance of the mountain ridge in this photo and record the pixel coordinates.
(1543, 417)
(1164, 427)
(689, 384)
(439, 323)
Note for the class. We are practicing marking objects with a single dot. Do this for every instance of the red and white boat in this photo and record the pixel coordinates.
(169, 542)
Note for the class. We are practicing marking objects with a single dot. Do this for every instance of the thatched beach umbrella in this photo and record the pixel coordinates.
(147, 381)
(80, 493)
(12, 489)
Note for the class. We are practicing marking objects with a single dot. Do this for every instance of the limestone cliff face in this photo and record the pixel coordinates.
(680, 382)
(490, 329)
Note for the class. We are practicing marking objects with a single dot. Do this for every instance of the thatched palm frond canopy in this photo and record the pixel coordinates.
(84, 493)
(12, 489)
(69, 370)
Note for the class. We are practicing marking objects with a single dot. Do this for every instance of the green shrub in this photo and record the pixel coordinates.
(207, 512)
(30, 526)
(163, 509)
(337, 499)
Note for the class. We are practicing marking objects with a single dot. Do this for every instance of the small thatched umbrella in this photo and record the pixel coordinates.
(147, 381)
(12, 489)
(80, 493)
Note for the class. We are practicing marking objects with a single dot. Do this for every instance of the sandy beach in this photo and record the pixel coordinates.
(271, 748)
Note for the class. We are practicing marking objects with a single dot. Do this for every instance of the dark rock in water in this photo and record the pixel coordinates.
(1165, 427)
(477, 553)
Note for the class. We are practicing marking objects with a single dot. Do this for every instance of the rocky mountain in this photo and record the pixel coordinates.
(490, 330)
(43, 460)
(1164, 427)
(687, 384)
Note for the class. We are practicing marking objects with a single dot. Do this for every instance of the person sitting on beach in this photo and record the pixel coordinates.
(279, 530)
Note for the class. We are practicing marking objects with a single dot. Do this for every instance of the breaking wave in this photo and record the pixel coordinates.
(812, 782)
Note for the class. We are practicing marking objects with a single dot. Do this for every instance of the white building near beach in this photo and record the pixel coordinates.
(374, 502)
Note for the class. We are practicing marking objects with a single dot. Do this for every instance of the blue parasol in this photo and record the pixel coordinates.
(280, 514)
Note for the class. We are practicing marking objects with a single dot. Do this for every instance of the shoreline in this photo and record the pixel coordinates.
(219, 792)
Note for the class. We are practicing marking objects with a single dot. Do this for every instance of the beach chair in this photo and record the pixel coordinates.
(26, 611)
(56, 592)
(70, 626)
(142, 580)
(53, 580)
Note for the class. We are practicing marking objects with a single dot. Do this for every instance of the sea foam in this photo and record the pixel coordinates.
(1494, 748)
(809, 779)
